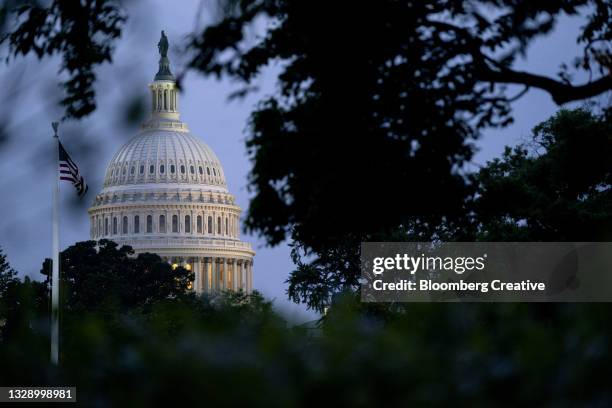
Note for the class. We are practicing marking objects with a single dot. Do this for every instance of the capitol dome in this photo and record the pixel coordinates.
(178, 156)
(165, 192)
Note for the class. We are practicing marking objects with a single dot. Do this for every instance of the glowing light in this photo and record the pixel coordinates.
(174, 266)
(188, 267)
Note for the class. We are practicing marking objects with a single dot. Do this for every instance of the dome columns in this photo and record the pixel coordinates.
(214, 274)
(217, 273)
(164, 100)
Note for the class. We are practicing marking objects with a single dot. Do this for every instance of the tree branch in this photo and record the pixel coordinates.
(559, 91)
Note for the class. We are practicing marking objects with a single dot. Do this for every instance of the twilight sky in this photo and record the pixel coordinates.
(27, 165)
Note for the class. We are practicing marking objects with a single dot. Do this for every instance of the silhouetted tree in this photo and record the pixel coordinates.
(7, 274)
(22, 303)
(377, 109)
(556, 188)
(100, 276)
(82, 32)
(378, 106)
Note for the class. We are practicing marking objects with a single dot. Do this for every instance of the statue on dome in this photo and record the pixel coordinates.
(163, 45)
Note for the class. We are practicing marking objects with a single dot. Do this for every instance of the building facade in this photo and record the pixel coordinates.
(165, 192)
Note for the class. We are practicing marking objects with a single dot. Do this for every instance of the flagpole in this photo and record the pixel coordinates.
(55, 261)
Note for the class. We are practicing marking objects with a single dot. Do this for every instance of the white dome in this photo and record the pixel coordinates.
(165, 157)
(164, 192)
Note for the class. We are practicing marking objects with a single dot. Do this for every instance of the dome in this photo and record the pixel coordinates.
(165, 157)
(164, 192)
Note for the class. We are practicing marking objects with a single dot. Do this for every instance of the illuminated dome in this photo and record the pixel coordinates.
(177, 157)
(165, 192)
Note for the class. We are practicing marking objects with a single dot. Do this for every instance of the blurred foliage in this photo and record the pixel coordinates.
(83, 32)
(376, 114)
(558, 187)
(380, 100)
(233, 350)
(7, 274)
(555, 187)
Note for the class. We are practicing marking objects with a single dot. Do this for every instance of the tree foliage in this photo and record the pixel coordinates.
(7, 274)
(379, 103)
(376, 114)
(100, 275)
(558, 187)
(440, 354)
(82, 32)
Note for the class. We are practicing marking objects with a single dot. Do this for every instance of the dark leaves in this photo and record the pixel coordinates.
(82, 32)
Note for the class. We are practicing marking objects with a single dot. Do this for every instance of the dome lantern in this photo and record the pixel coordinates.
(164, 93)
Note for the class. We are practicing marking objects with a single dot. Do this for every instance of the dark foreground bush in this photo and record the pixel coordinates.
(235, 350)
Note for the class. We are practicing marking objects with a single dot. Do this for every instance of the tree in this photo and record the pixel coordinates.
(22, 303)
(556, 188)
(82, 32)
(100, 276)
(379, 103)
(7, 274)
(378, 106)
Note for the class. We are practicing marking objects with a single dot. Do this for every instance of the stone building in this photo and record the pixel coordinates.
(165, 192)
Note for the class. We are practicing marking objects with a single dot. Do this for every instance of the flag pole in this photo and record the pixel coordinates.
(55, 261)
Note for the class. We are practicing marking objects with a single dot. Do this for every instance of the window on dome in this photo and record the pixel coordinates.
(175, 223)
(182, 169)
(114, 225)
(210, 228)
(152, 169)
(142, 169)
(149, 224)
(192, 170)
(200, 170)
(172, 168)
(113, 173)
(99, 227)
(187, 224)
(136, 224)
(124, 226)
(226, 227)
(161, 169)
(199, 224)
(133, 170)
(124, 171)
(219, 225)
(208, 171)
(106, 226)
(162, 223)
(214, 172)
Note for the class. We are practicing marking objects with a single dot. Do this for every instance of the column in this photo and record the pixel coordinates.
(249, 277)
(243, 275)
(228, 274)
(238, 268)
(216, 274)
(205, 275)
(197, 268)
(246, 276)
(223, 274)
(233, 272)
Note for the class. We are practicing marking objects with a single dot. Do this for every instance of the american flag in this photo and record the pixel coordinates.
(69, 171)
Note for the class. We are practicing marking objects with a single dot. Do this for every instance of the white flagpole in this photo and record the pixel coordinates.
(55, 248)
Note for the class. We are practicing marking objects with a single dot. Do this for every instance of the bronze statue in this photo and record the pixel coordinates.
(163, 45)
(164, 72)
